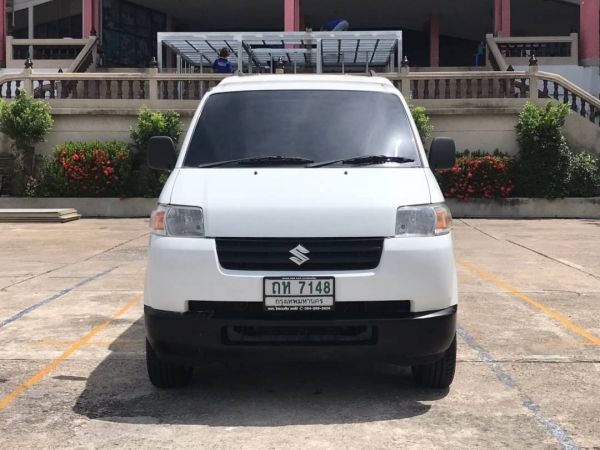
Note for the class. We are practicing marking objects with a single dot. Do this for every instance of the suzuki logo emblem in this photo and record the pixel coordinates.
(299, 253)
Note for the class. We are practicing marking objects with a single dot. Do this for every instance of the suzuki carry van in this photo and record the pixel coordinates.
(301, 217)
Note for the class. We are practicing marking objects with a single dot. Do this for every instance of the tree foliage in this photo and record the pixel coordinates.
(148, 182)
(544, 156)
(155, 123)
(26, 122)
(584, 176)
(422, 121)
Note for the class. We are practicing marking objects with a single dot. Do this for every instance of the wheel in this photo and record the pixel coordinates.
(164, 374)
(438, 374)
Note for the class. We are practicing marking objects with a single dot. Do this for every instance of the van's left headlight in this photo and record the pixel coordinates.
(178, 221)
(423, 220)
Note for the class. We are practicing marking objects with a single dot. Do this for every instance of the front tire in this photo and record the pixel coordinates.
(163, 374)
(439, 374)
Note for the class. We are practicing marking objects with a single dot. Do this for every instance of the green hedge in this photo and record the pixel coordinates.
(584, 176)
(545, 165)
(422, 121)
(149, 182)
(26, 121)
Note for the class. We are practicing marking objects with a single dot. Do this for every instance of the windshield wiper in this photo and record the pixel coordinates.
(260, 160)
(366, 160)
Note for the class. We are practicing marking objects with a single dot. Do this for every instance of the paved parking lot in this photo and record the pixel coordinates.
(72, 369)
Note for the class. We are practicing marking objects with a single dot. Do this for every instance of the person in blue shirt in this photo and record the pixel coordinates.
(480, 55)
(336, 25)
(222, 64)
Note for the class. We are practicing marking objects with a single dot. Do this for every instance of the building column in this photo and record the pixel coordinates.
(589, 32)
(497, 17)
(291, 15)
(434, 40)
(2, 32)
(91, 17)
(30, 23)
(502, 18)
(30, 29)
(506, 18)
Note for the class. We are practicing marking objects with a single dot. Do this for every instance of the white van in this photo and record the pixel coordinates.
(301, 217)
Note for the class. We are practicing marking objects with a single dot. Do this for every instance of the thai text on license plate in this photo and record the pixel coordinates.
(299, 293)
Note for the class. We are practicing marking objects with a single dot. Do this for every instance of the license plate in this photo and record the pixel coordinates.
(299, 294)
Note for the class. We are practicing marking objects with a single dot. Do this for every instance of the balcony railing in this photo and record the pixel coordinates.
(516, 51)
(127, 91)
(462, 85)
(48, 53)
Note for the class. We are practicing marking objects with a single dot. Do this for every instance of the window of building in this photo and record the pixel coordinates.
(55, 19)
(129, 33)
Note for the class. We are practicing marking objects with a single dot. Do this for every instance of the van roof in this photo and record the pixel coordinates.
(326, 82)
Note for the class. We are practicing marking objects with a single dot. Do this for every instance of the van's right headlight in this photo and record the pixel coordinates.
(423, 220)
(177, 221)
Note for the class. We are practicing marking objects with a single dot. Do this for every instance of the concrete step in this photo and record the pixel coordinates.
(39, 215)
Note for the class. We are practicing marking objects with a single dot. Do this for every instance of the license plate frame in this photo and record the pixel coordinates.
(298, 302)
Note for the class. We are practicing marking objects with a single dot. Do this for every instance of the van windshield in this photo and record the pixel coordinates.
(302, 126)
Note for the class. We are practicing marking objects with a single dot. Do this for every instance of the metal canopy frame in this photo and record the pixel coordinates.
(320, 51)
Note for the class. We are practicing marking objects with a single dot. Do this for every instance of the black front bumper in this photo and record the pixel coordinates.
(190, 337)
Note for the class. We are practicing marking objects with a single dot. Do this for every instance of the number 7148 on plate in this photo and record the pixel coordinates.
(299, 293)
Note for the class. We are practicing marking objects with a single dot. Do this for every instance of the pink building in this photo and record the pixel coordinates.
(436, 32)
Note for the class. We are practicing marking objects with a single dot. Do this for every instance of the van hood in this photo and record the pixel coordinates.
(299, 202)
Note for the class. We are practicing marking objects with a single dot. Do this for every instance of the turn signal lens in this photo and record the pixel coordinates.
(157, 221)
(443, 220)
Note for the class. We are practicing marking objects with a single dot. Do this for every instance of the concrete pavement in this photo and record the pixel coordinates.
(72, 369)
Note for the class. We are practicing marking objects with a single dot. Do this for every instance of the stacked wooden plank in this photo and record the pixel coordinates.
(39, 215)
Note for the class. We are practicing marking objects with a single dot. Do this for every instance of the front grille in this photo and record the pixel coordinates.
(342, 311)
(314, 335)
(322, 253)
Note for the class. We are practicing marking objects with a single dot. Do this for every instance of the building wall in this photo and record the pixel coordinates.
(87, 127)
(131, 25)
(486, 128)
(480, 131)
(581, 136)
(473, 131)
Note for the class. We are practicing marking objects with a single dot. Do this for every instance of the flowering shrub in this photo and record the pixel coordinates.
(91, 169)
(478, 176)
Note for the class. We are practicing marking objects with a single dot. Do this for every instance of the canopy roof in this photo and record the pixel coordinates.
(321, 51)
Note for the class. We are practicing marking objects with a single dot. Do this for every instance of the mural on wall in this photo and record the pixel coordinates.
(129, 33)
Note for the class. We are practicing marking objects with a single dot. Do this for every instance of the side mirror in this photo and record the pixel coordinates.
(161, 153)
(442, 153)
